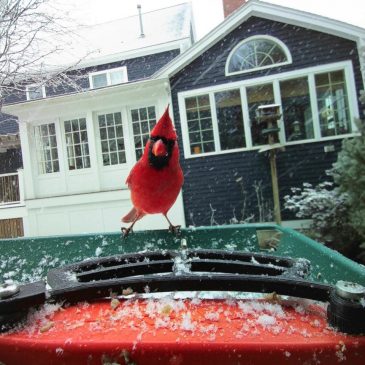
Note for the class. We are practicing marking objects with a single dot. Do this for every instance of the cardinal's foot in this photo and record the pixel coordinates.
(176, 230)
(126, 231)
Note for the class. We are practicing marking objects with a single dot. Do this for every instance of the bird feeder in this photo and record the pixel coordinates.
(268, 116)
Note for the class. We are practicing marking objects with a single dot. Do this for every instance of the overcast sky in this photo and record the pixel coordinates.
(97, 11)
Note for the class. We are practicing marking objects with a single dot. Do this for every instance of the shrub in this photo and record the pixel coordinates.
(329, 209)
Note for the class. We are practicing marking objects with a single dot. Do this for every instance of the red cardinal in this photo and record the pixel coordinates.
(156, 179)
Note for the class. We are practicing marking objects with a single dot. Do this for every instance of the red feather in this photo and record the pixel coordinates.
(154, 190)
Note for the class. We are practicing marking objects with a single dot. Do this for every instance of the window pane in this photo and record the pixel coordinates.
(46, 146)
(106, 159)
(75, 125)
(144, 119)
(99, 80)
(76, 144)
(256, 96)
(199, 119)
(144, 127)
(105, 146)
(135, 116)
(297, 113)
(116, 77)
(35, 92)
(120, 144)
(111, 132)
(136, 129)
(119, 131)
(52, 130)
(333, 106)
(103, 135)
(151, 112)
(67, 126)
(255, 54)
(109, 119)
(114, 158)
(76, 137)
(230, 119)
(113, 145)
(190, 103)
(118, 118)
(44, 129)
(82, 124)
(109, 138)
(143, 113)
(102, 121)
(121, 156)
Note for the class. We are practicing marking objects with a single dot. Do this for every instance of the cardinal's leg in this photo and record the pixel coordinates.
(172, 228)
(126, 231)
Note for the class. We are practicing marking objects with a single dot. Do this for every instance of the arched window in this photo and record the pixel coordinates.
(256, 53)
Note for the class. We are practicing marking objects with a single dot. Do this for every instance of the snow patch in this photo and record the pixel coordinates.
(266, 320)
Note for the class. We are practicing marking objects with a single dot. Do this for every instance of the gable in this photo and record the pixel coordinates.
(270, 12)
(307, 48)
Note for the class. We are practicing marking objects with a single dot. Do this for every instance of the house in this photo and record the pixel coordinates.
(79, 147)
(262, 54)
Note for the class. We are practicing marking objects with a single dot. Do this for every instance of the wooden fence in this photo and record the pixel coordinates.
(11, 228)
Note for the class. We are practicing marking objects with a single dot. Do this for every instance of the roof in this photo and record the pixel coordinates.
(122, 39)
(268, 11)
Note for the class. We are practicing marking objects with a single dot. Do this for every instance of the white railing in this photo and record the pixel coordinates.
(11, 189)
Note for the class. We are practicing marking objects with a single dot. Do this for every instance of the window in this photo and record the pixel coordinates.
(199, 118)
(314, 106)
(35, 92)
(108, 77)
(256, 96)
(78, 156)
(143, 121)
(230, 119)
(46, 146)
(111, 138)
(297, 112)
(333, 106)
(257, 52)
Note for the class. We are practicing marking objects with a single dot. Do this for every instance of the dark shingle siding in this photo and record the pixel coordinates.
(10, 161)
(138, 68)
(212, 179)
(8, 124)
(214, 182)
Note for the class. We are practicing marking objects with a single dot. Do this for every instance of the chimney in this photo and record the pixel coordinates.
(229, 6)
(140, 20)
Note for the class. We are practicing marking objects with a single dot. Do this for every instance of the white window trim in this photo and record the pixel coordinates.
(107, 72)
(255, 37)
(43, 88)
(275, 79)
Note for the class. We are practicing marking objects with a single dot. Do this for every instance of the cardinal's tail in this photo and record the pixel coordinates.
(132, 216)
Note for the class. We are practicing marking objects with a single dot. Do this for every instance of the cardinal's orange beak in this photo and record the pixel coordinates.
(159, 148)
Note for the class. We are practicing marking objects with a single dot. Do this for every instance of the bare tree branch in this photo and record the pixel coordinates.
(29, 34)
